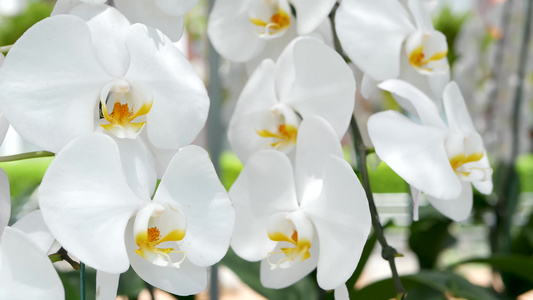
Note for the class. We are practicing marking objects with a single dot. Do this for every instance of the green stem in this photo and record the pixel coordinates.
(61, 255)
(82, 281)
(28, 155)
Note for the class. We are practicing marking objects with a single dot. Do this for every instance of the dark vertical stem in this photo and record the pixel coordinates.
(388, 253)
(82, 281)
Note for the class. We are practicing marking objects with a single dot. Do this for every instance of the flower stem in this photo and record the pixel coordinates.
(388, 253)
(28, 155)
(82, 281)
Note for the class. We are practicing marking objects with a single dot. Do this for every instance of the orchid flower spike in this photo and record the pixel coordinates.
(279, 95)
(165, 15)
(252, 30)
(394, 46)
(89, 204)
(294, 220)
(26, 272)
(96, 72)
(441, 160)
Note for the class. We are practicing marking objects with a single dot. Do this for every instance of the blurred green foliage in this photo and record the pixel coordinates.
(11, 28)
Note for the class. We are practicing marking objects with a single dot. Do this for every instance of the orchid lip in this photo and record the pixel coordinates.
(270, 19)
(282, 130)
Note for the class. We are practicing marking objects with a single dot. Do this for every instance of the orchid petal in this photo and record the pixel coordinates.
(421, 11)
(26, 272)
(251, 112)
(456, 111)
(320, 84)
(4, 125)
(38, 89)
(191, 182)
(188, 279)
(35, 229)
(372, 33)
(264, 187)
(5, 200)
(311, 13)
(414, 152)
(86, 181)
(106, 285)
(157, 14)
(426, 109)
(108, 29)
(343, 237)
(180, 106)
(283, 277)
(139, 166)
(175, 8)
(316, 143)
(231, 31)
(457, 209)
(341, 293)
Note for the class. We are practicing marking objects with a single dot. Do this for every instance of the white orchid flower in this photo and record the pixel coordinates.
(383, 41)
(89, 205)
(441, 160)
(67, 77)
(165, 15)
(252, 30)
(26, 272)
(278, 95)
(295, 220)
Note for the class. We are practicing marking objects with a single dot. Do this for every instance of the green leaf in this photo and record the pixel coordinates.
(427, 285)
(519, 265)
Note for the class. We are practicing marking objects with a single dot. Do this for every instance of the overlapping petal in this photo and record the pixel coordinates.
(86, 181)
(16, 281)
(311, 13)
(5, 200)
(457, 209)
(38, 88)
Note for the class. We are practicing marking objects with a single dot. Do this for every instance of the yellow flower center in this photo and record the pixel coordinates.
(279, 21)
(298, 253)
(149, 240)
(286, 135)
(459, 160)
(120, 119)
(418, 59)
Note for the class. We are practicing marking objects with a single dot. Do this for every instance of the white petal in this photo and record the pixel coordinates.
(175, 8)
(251, 112)
(106, 285)
(456, 111)
(108, 29)
(372, 32)
(425, 107)
(38, 88)
(421, 10)
(188, 279)
(139, 166)
(457, 209)
(180, 104)
(311, 13)
(283, 277)
(26, 272)
(264, 187)
(35, 229)
(5, 200)
(192, 183)
(4, 124)
(231, 32)
(414, 152)
(86, 182)
(316, 143)
(341, 293)
(323, 87)
(64, 6)
(342, 220)
(164, 15)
